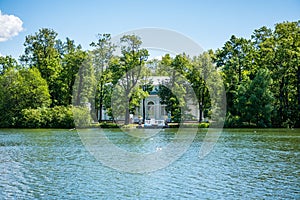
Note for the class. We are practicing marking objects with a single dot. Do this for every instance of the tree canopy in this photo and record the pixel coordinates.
(261, 76)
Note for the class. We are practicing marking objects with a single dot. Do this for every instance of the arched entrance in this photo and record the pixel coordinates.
(150, 110)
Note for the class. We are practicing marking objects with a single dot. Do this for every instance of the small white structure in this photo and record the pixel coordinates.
(155, 112)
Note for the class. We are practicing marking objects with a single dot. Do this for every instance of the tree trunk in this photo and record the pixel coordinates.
(201, 103)
(69, 97)
(144, 111)
(77, 102)
(281, 101)
(200, 111)
(100, 110)
(100, 102)
(127, 115)
(298, 94)
(287, 106)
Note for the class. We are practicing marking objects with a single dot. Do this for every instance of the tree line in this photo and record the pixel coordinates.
(54, 79)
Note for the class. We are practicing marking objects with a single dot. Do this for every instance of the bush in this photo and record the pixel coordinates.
(192, 125)
(82, 117)
(203, 125)
(56, 117)
(109, 125)
(232, 121)
(31, 118)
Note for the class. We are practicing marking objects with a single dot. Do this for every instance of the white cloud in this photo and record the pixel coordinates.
(10, 26)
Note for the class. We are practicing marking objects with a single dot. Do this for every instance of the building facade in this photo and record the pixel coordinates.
(154, 110)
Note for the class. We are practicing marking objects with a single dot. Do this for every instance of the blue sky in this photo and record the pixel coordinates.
(209, 23)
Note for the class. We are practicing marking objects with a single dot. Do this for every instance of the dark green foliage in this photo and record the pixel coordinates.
(192, 125)
(248, 66)
(254, 103)
(73, 57)
(169, 99)
(108, 125)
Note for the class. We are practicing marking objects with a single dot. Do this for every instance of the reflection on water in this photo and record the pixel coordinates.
(53, 164)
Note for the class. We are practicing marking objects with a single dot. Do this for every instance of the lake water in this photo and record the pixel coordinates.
(244, 164)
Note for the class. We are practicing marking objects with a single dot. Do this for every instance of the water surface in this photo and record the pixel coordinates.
(244, 164)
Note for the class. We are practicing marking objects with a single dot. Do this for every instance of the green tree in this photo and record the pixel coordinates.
(20, 90)
(287, 70)
(8, 62)
(102, 55)
(235, 60)
(168, 98)
(156, 68)
(130, 69)
(41, 52)
(85, 84)
(73, 58)
(278, 51)
(200, 72)
(255, 100)
(174, 92)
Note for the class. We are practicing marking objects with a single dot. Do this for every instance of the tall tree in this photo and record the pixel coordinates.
(235, 60)
(84, 86)
(102, 55)
(130, 70)
(73, 58)
(287, 58)
(174, 92)
(255, 100)
(40, 52)
(200, 72)
(277, 50)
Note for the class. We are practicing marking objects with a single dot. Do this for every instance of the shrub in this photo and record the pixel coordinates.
(82, 117)
(203, 125)
(56, 117)
(109, 125)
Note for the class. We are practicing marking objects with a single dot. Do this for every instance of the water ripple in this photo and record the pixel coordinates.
(53, 164)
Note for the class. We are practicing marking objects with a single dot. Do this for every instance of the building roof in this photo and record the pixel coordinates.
(157, 80)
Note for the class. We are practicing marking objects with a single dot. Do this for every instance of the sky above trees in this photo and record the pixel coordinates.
(209, 23)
